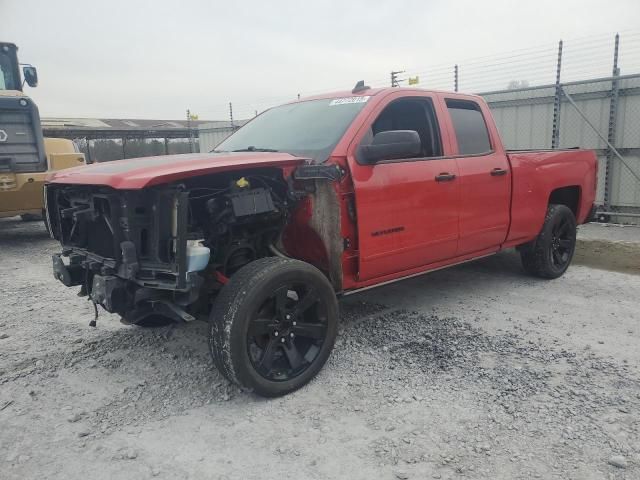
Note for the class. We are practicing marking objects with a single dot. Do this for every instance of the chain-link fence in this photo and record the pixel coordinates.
(540, 99)
(601, 114)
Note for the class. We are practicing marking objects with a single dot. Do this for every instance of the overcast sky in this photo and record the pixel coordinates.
(155, 59)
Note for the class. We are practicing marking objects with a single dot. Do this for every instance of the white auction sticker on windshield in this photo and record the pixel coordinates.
(348, 100)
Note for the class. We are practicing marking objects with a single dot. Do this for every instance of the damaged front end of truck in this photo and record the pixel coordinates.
(165, 250)
(252, 236)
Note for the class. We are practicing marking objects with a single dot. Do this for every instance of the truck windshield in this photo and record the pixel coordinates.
(306, 129)
(7, 73)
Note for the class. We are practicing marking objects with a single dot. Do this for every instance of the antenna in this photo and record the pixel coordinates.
(360, 87)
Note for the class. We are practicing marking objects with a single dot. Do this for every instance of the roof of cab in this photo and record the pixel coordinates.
(377, 91)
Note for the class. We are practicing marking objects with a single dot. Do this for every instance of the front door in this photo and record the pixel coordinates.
(407, 209)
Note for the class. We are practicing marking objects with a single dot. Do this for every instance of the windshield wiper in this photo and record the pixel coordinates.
(251, 148)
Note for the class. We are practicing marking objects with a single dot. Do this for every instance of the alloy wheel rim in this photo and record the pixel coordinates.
(561, 244)
(286, 333)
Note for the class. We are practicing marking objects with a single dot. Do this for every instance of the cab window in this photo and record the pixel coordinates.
(411, 114)
(470, 127)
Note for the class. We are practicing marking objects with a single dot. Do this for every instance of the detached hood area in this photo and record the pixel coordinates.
(136, 173)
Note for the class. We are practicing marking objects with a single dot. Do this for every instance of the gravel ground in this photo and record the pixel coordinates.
(609, 247)
(474, 372)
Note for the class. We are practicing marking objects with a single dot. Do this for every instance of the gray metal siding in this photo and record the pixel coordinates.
(210, 138)
(524, 119)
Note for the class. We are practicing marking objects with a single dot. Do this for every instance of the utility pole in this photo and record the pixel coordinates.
(189, 130)
(395, 81)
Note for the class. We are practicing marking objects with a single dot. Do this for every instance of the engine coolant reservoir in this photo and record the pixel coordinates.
(197, 256)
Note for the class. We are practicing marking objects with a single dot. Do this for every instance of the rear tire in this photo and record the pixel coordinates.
(273, 325)
(550, 254)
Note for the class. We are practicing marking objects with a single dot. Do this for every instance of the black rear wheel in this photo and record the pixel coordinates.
(550, 254)
(273, 325)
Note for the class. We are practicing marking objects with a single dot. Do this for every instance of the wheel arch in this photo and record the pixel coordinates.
(568, 196)
(314, 234)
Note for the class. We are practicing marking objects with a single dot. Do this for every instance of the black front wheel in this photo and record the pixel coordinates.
(550, 254)
(273, 325)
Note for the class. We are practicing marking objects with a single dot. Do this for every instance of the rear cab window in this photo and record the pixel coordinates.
(470, 127)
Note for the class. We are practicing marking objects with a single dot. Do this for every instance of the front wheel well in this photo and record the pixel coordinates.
(569, 196)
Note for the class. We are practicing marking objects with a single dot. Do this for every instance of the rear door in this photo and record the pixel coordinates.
(484, 174)
(407, 209)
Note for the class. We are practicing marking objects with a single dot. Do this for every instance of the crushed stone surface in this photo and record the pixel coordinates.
(475, 372)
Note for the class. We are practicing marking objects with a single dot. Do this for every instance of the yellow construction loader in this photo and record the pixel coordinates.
(26, 158)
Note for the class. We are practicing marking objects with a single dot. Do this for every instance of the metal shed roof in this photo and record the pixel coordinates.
(119, 128)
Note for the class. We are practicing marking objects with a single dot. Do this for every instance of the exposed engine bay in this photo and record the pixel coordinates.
(131, 250)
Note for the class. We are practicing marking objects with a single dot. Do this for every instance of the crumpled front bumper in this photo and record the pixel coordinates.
(106, 290)
(116, 294)
(69, 275)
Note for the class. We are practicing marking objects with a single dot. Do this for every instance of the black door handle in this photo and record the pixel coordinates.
(497, 172)
(445, 177)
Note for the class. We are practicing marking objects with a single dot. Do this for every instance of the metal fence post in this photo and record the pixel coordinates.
(455, 78)
(189, 130)
(88, 141)
(611, 136)
(555, 134)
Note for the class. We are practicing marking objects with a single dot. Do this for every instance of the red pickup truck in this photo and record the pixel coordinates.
(309, 201)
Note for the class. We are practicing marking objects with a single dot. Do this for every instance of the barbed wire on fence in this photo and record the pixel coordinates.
(525, 89)
(583, 57)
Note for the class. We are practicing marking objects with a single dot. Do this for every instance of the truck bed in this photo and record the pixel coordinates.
(537, 174)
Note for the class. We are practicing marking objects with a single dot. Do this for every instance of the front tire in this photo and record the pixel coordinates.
(273, 325)
(550, 254)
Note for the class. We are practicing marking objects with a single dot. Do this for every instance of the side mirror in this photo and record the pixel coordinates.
(30, 75)
(391, 145)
